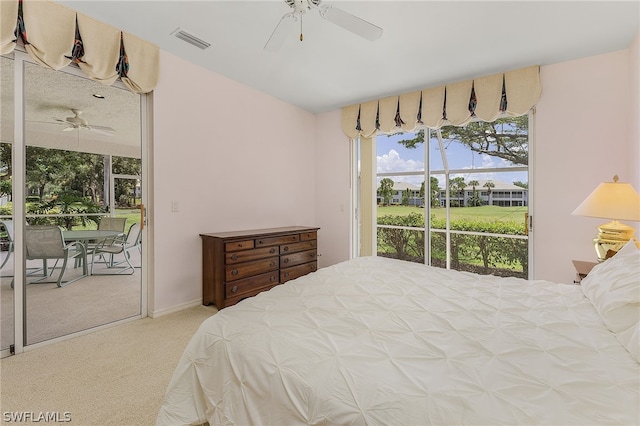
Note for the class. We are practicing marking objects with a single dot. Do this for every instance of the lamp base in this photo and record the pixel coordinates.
(612, 237)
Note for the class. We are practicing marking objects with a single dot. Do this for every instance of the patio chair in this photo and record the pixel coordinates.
(108, 223)
(46, 242)
(8, 227)
(114, 246)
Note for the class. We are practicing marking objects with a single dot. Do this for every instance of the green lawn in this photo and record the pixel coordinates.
(488, 213)
(132, 215)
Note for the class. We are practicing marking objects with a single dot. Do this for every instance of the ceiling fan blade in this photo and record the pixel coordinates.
(281, 31)
(351, 23)
(68, 129)
(105, 130)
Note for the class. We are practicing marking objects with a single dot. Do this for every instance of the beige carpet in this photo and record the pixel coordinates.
(116, 376)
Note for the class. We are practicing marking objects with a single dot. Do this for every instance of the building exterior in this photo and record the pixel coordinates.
(501, 194)
(398, 190)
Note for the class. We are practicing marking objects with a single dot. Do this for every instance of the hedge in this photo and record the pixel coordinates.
(489, 251)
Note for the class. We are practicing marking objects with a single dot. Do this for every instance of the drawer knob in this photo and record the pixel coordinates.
(285, 261)
(234, 272)
(273, 250)
(234, 289)
(286, 248)
(272, 278)
(234, 257)
(286, 274)
(272, 263)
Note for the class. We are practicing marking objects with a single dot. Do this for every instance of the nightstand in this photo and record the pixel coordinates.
(582, 269)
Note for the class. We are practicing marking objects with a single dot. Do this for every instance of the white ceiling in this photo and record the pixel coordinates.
(425, 43)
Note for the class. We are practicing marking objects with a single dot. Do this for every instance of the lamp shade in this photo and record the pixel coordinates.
(611, 200)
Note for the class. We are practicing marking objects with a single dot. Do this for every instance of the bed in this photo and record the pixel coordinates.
(379, 341)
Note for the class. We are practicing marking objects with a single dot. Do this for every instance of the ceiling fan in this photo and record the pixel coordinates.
(332, 14)
(77, 122)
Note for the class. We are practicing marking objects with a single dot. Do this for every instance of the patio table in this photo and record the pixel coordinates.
(83, 236)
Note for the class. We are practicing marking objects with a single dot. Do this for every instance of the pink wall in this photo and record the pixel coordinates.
(333, 191)
(233, 158)
(581, 139)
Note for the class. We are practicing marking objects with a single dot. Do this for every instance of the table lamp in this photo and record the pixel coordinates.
(612, 200)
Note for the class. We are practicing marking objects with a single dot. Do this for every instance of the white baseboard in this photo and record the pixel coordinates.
(176, 308)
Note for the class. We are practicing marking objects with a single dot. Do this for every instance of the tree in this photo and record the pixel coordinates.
(88, 175)
(435, 192)
(6, 187)
(475, 199)
(488, 184)
(47, 170)
(5, 158)
(506, 138)
(406, 197)
(386, 191)
(457, 185)
(524, 185)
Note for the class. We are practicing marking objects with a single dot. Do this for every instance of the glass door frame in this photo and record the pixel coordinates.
(18, 160)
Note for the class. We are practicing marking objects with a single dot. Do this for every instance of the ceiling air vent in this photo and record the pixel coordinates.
(190, 38)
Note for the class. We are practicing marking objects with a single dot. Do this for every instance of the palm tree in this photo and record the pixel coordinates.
(474, 199)
(458, 185)
(488, 184)
(434, 189)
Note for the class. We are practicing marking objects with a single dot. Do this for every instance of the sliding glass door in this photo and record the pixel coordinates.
(73, 137)
(456, 197)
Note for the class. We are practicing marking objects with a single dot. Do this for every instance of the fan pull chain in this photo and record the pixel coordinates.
(301, 28)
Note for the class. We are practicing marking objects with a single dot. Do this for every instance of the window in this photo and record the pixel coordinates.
(464, 187)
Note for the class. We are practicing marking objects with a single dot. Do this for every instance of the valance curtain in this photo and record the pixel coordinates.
(511, 93)
(55, 36)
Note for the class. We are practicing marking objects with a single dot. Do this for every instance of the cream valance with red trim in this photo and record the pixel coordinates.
(55, 36)
(511, 93)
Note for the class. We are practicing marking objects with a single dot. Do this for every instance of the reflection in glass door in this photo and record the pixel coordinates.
(75, 131)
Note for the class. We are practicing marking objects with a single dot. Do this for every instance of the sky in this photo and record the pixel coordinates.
(393, 157)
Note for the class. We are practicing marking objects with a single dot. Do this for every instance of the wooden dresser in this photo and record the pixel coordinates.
(237, 265)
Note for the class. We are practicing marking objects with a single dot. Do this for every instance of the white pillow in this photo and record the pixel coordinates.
(613, 287)
(630, 247)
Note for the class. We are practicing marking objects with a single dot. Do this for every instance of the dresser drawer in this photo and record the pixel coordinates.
(294, 272)
(308, 236)
(273, 241)
(238, 245)
(246, 285)
(247, 269)
(296, 247)
(297, 258)
(247, 255)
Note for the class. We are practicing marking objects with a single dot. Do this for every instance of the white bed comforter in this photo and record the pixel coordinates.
(382, 342)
